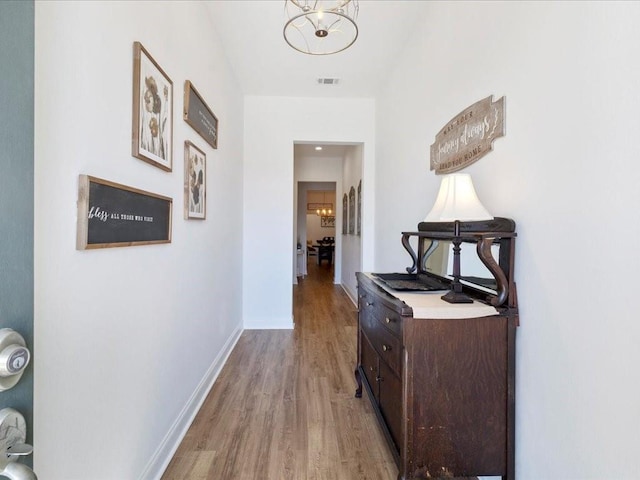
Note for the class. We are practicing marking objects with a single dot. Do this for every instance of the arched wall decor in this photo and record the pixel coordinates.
(345, 217)
(352, 211)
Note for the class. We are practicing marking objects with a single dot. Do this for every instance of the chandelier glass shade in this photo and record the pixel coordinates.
(321, 27)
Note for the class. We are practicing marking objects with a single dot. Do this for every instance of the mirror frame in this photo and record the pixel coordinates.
(484, 234)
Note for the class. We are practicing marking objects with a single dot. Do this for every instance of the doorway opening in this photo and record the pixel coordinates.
(316, 227)
(326, 176)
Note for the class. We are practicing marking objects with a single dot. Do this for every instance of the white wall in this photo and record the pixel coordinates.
(128, 339)
(567, 172)
(351, 244)
(272, 125)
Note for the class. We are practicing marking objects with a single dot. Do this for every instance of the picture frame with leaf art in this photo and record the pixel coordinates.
(195, 182)
(152, 126)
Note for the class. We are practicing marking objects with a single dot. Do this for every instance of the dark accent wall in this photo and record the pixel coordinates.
(16, 189)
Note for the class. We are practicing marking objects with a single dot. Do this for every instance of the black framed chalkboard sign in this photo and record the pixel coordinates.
(198, 114)
(114, 215)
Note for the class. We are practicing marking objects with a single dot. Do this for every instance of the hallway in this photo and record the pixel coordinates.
(283, 407)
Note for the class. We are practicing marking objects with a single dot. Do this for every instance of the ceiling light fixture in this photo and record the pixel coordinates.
(318, 148)
(321, 27)
(326, 208)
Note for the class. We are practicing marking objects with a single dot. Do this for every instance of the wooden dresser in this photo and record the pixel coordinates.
(442, 379)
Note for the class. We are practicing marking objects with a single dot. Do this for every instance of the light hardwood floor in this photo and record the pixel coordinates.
(283, 407)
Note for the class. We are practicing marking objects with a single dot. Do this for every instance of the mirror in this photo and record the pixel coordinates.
(438, 260)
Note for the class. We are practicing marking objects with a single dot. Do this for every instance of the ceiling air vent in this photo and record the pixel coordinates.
(328, 81)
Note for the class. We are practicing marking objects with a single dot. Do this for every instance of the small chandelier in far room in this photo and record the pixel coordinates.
(323, 212)
(321, 27)
(326, 207)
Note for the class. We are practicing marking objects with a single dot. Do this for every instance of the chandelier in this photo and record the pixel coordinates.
(325, 208)
(321, 27)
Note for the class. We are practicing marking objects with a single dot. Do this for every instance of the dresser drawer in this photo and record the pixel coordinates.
(366, 300)
(369, 364)
(389, 348)
(390, 401)
(372, 303)
(383, 341)
(368, 322)
(389, 318)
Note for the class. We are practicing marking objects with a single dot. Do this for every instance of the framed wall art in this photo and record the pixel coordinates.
(198, 114)
(115, 215)
(152, 132)
(195, 182)
(328, 221)
(345, 216)
(352, 211)
(359, 214)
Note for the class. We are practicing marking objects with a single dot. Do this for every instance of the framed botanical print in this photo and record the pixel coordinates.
(195, 182)
(152, 132)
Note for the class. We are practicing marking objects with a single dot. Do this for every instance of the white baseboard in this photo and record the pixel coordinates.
(163, 455)
(353, 298)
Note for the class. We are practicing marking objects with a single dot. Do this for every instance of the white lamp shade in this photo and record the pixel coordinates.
(457, 200)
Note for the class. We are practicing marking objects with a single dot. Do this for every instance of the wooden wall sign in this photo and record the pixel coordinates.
(114, 215)
(468, 136)
(197, 114)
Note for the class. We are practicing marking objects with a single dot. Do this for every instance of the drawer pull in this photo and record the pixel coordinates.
(386, 348)
(369, 304)
(387, 319)
(371, 368)
(378, 378)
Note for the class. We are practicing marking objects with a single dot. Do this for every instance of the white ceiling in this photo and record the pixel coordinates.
(251, 34)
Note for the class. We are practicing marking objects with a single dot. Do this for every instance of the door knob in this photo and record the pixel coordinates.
(14, 358)
(18, 471)
(13, 434)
